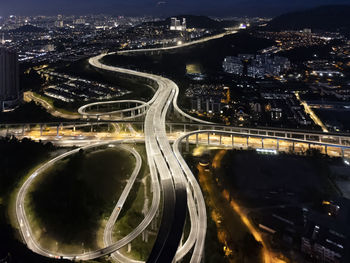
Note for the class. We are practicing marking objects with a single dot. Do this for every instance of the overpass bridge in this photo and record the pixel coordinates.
(341, 140)
(171, 177)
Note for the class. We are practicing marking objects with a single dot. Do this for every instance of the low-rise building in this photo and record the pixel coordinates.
(326, 236)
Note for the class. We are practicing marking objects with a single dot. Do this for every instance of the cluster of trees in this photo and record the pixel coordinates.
(16, 158)
(69, 199)
(71, 213)
(28, 112)
(327, 18)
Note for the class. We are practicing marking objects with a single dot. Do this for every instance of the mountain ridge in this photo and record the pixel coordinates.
(327, 18)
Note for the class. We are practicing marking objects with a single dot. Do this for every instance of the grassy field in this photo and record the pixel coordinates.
(68, 202)
(251, 177)
(131, 216)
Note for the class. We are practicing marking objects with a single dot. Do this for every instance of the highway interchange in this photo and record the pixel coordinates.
(174, 187)
(167, 178)
(164, 163)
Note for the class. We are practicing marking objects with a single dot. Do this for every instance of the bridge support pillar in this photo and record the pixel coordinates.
(171, 128)
(92, 128)
(73, 127)
(58, 130)
(293, 149)
(196, 139)
(185, 128)
(278, 145)
(7, 130)
(129, 245)
(146, 236)
(208, 138)
(262, 143)
(247, 141)
(326, 150)
(23, 129)
(233, 140)
(41, 129)
(220, 141)
(187, 144)
(342, 152)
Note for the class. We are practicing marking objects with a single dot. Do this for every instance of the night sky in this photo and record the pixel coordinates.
(160, 7)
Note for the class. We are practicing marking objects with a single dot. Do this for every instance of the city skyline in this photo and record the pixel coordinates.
(160, 8)
(174, 131)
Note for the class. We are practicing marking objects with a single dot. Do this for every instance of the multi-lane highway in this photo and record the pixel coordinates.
(182, 45)
(175, 189)
(108, 231)
(25, 228)
(165, 169)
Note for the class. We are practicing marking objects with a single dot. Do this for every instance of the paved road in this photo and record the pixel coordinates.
(164, 163)
(29, 96)
(140, 110)
(192, 43)
(198, 212)
(166, 168)
(108, 232)
(26, 231)
(25, 228)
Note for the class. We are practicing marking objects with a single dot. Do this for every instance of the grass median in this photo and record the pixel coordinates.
(68, 202)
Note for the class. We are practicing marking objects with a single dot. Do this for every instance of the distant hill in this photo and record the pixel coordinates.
(198, 22)
(28, 29)
(331, 18)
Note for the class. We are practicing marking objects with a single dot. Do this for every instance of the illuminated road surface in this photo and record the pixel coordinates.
(169, 173)
(163, 163)
(29, 96)
(192, 43)
(312, 114)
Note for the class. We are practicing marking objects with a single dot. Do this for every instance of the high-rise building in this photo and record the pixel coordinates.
(59, 23)
(9, 80)
(176, 24)
(233, 65)
(257, 66)
(184, 24)
(79, 21)
(173, 23)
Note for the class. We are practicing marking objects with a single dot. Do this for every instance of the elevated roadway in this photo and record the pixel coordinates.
(170, 174)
